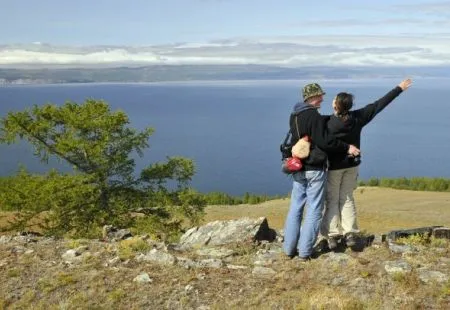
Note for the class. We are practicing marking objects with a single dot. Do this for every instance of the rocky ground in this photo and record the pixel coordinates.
(235, 264)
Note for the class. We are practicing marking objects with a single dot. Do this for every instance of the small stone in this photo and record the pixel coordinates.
(264, 271)
(400, 248)
(114, 261)
(188, 288)
(143, 278)
(338, 281)
(429, 276)
(157, 256)
(18, 249)
(201, 276)
(339, 258)
(236, 267)
(393, 267)
(210, 263)
(69, 255)
(215, 252)
(5, 239)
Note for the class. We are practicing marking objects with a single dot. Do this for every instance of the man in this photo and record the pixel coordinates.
(309, 183)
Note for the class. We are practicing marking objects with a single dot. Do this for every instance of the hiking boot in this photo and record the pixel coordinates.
(332, 243)
(350, 240)
(321, 246)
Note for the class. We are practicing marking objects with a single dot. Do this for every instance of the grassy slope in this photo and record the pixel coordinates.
(38, 278)
(379, 209)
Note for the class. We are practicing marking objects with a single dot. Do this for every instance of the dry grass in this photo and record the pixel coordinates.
(41, 280)
(379, 209)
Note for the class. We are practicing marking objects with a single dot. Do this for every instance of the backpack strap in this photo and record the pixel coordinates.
(296, 125)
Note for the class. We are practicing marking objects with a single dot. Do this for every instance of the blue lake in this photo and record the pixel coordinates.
(232, 130)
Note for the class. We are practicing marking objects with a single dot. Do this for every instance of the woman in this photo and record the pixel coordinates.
(340, 212)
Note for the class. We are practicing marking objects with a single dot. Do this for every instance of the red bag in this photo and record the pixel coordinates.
(291, 165)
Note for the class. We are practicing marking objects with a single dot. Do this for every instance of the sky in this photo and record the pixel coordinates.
(406, 25)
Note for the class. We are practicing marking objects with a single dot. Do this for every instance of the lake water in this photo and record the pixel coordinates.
(232, 130)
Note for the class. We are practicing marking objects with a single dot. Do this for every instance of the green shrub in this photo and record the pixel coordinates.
(103, 188)
(415, 183)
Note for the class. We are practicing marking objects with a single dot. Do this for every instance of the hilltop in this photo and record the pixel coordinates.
(236, 264)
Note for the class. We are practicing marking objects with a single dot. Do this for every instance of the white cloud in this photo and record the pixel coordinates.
(406, 50)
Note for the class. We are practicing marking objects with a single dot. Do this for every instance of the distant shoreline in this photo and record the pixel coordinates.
(231, 82)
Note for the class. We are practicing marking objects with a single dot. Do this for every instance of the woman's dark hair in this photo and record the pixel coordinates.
(344, 102)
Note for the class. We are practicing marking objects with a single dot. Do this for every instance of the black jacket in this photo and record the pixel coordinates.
(311, 123)
(349, 130)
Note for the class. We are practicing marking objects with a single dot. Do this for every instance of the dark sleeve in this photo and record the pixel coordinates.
(322, 137)
(367, 113)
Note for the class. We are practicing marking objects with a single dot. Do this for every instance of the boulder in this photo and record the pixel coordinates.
(405, 233)
(111, 233)
(226, 232)
(441, 232)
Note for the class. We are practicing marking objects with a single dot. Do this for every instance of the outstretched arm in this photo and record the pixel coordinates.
(371, 110)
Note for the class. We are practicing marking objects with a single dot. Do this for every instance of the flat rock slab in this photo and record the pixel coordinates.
(423, 231)
(441, 232)
(395, 267)
(226, 232)
(215, 252)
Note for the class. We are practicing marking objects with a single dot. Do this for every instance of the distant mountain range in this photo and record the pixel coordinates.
(296, 57)
(161, 73)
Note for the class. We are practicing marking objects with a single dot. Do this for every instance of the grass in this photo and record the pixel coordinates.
(130, 247)
(40, 281)
(379, 209)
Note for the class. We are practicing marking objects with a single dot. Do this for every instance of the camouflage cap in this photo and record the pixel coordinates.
(311, 90)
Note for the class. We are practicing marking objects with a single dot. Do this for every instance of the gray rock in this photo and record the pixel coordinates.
(428, 276)
(113, 261)
(5, 239)
(236, 267)
(215, 252)
(266, 257)
(394, 267)
(111, 233)
(186, 262)
(225, 232)
(263, 271)
(204, 263)
(210, 263)
(69, 255)
(338, 281)
(441, 232)
(24, 239)
(143, 278)
(337, 258)
(280, 236)
(400, 248)
(157, 256)
(404, 233)
(18, 249)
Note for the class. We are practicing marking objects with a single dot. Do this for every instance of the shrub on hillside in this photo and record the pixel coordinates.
(103, 188)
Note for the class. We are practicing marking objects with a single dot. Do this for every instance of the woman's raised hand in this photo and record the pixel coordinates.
(404, 85)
